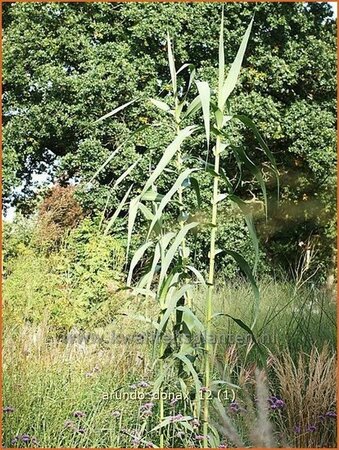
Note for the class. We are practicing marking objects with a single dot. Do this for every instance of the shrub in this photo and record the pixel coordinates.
(58, 213)
(71, 286)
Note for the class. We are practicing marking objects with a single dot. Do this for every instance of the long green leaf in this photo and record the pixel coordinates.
(168, 155)
(240, 323)
(174, 247)
(205, 96)
(125, 174)
(194, 374)
(234, 72)
(197, 273)
(172, 65)
(168, 197)
(221, 53)
(115, 111)
(245, 268)
(118, 210)
(136, 258)
(161, 105)
(193, 107)
(108, 160)
(163, 243)
(146, 212)
(111, 156)
(250, 124)
(248, 216)
(132, 214)
(195, 186)
(170, 308)
(169, 420)
(191, 319)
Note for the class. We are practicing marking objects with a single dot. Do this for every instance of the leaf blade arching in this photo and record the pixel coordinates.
(115, 111)
(171, 63)
(244, 266)
(167, 197)
(161, 105)
(248, 216)
(170, 308)
(118, 210)
(221, 54)
(234, 72)
(162, 243)
(136, 258)
(132, 214)
(205, 96)
(254, 169)
(250, 124)
(168, 155)
(174, 247)
(104, 164)
(194, 374)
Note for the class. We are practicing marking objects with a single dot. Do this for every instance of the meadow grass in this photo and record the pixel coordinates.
(65, 392)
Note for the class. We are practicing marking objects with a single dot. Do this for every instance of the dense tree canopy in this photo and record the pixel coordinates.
(65, 65)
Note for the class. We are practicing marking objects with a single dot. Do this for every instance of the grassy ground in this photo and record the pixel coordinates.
(68, 392)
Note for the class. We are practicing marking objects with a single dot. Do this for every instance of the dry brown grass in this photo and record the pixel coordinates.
(308, 388)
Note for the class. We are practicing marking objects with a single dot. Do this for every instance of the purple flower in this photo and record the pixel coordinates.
(135, 441)
(143, 384)
(116, 413)
(280, 403)
(8, 409)
(173, 401)
(204, 389)
(223, 446)
(150, 444)
(147, 406)
(81, 430)
(199, 437)
(26, 438)
(69, 424)
(312, 428)
(79, 414)
(176, 418)
(146, 409)
(297, 429)
(321, 417)
(234, 407)
(331, 414)
(276, 403)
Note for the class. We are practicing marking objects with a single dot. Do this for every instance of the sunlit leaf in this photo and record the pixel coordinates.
(115, 111)
(234, 72)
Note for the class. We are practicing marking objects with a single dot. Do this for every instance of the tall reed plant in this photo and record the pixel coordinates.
(166, 268)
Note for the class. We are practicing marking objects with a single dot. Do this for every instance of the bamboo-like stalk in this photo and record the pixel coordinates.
(208, 313)
(181, 209)
(161, 350)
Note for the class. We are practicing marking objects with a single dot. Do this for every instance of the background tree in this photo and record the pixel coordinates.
(65, 65)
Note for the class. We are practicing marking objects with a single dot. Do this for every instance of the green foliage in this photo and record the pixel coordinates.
(73, 286)
(65, 65)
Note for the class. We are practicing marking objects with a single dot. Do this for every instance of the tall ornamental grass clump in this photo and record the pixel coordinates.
(164, 262)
